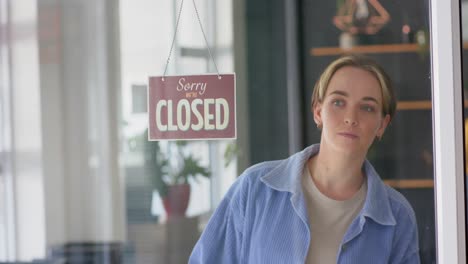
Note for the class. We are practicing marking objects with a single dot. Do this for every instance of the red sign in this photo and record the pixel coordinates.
(192, 107)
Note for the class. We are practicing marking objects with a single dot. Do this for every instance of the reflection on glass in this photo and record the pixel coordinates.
(403, 157)
(72, 50)
(171, 186)
(361, 16)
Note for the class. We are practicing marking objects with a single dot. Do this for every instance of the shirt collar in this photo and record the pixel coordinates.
(286, 176)
(377, 204)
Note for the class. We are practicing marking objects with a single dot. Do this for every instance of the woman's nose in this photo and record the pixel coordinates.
(351, 118)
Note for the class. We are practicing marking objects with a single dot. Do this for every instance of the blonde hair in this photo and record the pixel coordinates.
(361, 62)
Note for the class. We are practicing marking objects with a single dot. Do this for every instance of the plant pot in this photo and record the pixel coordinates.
(176, 201)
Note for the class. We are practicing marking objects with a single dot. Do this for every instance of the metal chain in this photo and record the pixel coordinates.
(173, 39)
(204, 36)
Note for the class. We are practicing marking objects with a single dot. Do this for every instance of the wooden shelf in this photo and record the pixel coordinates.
(414, 105)
(368, 49)
(410, 184)
(419, 105)
(465, 45)
(387, 48)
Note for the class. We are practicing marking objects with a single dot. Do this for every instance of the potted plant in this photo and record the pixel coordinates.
(171, 177)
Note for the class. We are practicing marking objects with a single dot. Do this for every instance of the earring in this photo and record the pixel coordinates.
(319, 125)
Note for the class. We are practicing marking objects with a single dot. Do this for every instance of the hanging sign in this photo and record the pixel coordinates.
(192, 107)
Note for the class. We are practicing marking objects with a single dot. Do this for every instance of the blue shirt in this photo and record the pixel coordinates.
(263, 219)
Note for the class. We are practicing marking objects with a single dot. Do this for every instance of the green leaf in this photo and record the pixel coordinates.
(191, 168)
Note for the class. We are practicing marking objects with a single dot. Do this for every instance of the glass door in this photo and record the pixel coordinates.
(399, 42)
(421, 155)
(78, 179)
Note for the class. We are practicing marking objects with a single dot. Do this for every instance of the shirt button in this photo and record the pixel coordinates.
(344, 246)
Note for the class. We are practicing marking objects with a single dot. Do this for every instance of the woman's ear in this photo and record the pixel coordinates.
(317, 112)
(383, 126)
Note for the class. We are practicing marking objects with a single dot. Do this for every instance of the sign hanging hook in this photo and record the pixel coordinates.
(204, 36)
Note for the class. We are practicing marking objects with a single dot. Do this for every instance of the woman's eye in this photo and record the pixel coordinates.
(338, 102)
(368, 108)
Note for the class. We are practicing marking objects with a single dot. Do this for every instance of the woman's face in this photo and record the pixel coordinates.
(351, 111)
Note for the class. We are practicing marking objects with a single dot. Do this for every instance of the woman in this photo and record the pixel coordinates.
(325, 204)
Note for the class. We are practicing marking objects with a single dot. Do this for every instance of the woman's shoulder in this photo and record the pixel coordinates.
(392, 202)
(248, 186)
(400, 205)
(261, 168)
(253, 174)
(251, 178)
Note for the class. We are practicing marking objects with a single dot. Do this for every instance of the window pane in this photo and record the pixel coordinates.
(166, 214)
(403, 157)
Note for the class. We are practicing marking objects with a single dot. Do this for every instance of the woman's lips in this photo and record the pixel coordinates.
(348, 135)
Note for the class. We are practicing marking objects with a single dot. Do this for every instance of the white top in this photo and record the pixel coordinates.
(328, 220)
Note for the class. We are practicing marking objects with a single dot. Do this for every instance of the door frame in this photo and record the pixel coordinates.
(447, 116)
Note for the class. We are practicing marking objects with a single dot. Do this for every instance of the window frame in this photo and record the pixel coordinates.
(448, 138)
